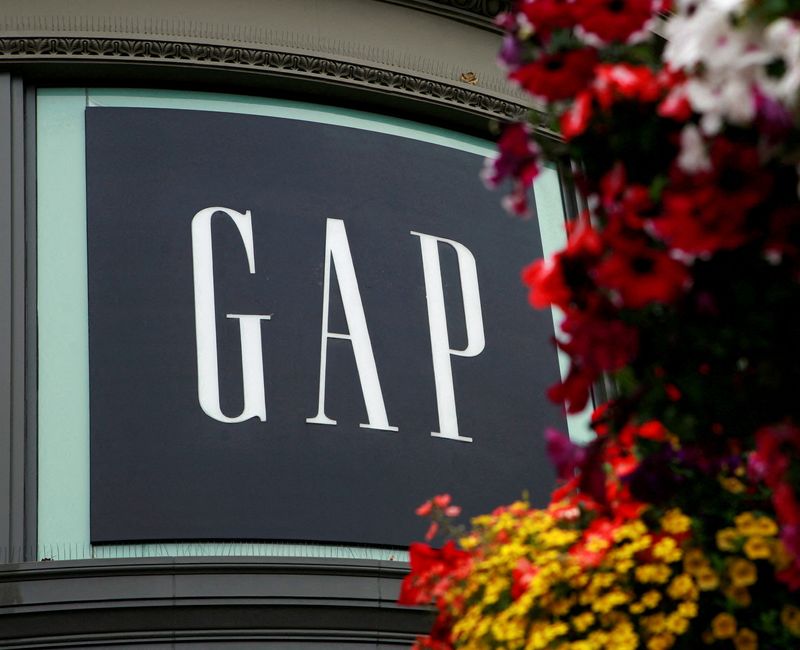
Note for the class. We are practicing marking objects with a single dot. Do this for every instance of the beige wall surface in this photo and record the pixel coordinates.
(371, 33)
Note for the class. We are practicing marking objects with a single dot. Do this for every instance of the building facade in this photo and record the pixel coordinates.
(337, 137)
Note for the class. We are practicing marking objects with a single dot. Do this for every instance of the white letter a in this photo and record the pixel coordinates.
(337, 254)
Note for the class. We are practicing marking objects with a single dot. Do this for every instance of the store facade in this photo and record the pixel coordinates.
(256, 306)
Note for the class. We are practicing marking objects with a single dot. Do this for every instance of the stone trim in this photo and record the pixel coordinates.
(456, 95)
(209, 602)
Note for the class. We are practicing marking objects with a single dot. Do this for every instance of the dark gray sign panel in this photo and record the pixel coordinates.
(301, 331)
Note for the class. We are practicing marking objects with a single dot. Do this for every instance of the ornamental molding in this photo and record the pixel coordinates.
(477, 12)
(458, 95)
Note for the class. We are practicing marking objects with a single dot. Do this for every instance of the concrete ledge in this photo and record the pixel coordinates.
(206, 602)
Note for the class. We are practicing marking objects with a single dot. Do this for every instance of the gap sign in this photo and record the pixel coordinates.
(301, 331)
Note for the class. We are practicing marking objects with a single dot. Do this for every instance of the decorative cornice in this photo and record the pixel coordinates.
(476, 12)
(488, 8)
(455, 95)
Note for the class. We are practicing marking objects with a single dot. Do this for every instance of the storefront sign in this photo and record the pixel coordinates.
(300, 331)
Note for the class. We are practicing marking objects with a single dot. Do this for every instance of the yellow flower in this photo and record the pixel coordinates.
(653, 573)
(746, 523)
(742, 572)
(707, 578)
(757, 548)
(781, 556)
(745, 639)
(732, 484)
(609, 601)
(688, 609)
(661, 642)
(677, 623)
(651, 599)
(655, 623)
(728, 539)
(583, 622)
(694, 561)
(681, 587)
(739, 595)
(766, 526)
(667, 549)
(723, 626)
(675, 522)
(790, 617)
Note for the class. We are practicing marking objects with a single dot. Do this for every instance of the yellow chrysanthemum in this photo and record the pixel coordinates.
(682, 587)
(745, 639)
(677, 624)
(746, 523)
(707, 579)
(661, 642)
(723, 626)
(694, 561)
(742, 573)
(675, 522)
(739, 595)
(667, 549)
(583, 622)
(766, 526)
(790, 618)
(651, 599)
(757, 548)
(728, 539)
(659, 573)
(781, 557)
(732, 484)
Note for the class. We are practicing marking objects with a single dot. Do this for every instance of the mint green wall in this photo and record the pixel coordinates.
(63, 313)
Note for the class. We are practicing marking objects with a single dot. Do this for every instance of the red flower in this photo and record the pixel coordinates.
(622, 81)
(595, 344)
(598, 343)
(615, 20)
(517, 157)
(576, 118)
(518, 160)
(522, 575)
(548, 15)
(574, 391)
(640, 275)
(600, 535)
(557, 76)
(432, 572)
(706, 212)
(563, 453)
(547, 279)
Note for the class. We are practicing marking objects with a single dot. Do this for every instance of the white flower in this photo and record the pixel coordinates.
(782, 42)
(693, 156)
(722, 62)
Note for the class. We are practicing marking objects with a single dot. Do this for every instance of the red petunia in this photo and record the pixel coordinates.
(521, 577)
(639, 275)
(547, 278)
(432, 572)
(615, 20)
(595, 344)
(518, 160)
(558, 76)
(576, 118)
(563, 453)
(547, 16)
(706, 212)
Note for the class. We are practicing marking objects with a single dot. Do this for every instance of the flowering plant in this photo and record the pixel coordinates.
(679, 524)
